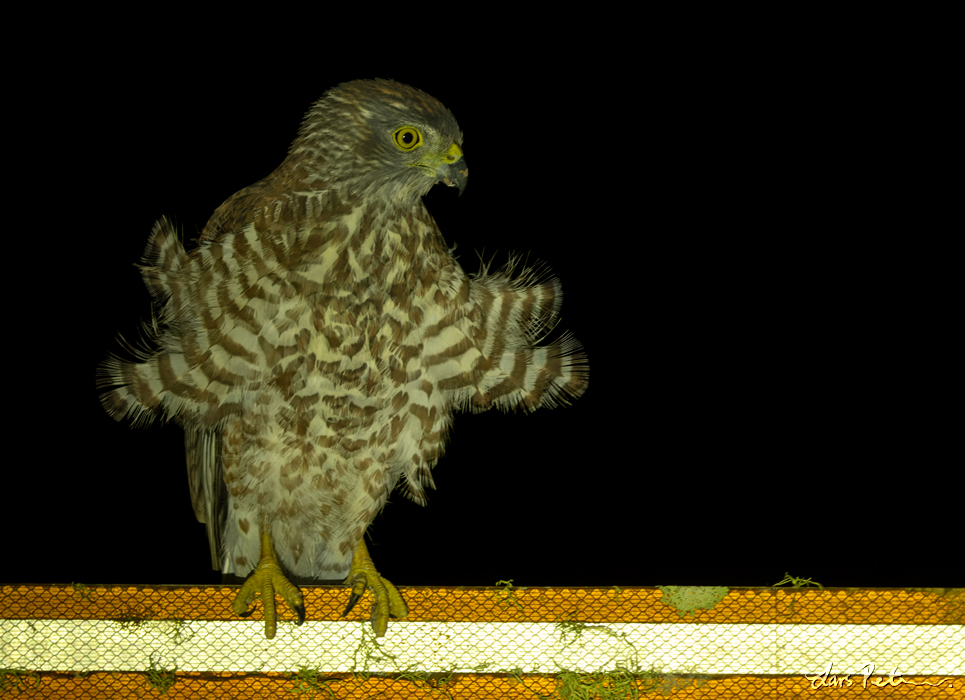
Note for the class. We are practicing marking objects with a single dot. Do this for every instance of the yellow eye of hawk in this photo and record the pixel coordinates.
(407, 138)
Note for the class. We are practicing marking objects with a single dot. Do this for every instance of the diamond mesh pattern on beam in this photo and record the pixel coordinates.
(504, 642)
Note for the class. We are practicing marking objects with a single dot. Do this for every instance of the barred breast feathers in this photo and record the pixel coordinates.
(219, 307)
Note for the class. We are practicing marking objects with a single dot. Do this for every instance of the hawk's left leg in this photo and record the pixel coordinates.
(266, 580)
(388, 601)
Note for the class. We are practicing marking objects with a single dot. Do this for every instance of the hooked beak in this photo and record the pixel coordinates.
(454, 174)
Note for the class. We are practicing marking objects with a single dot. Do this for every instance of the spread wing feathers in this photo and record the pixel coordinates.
(142, 387)
(209, 495)
(196, 374)
(492, 357)
(517, 314)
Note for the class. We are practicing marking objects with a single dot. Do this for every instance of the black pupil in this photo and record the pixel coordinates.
(408, 137)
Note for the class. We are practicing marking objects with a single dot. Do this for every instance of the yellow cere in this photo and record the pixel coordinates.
(454, 153)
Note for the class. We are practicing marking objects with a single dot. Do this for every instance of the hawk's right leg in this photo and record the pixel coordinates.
(266, 580)
(388, 601)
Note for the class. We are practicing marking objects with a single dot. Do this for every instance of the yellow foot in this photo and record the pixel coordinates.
(388, 601)
(266, 580)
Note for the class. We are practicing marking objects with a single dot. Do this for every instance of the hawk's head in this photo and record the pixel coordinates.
(379, 138)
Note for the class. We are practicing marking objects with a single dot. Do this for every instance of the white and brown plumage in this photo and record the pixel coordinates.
(316, 343)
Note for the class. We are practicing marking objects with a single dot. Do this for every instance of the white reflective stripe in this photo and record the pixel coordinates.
(492, 647)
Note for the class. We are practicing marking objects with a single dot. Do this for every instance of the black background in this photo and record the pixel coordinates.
(749, 236)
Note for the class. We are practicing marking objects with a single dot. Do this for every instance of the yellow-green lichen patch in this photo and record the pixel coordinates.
(686, 600)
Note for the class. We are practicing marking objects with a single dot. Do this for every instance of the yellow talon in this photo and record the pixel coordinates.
(388, 601)
(266, 580)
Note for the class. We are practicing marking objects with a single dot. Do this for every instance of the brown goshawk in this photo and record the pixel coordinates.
(316, 343)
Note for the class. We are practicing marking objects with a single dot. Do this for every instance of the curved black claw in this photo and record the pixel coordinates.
(352, 600)
(246, 613)
(300, 611)
(387, 600)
